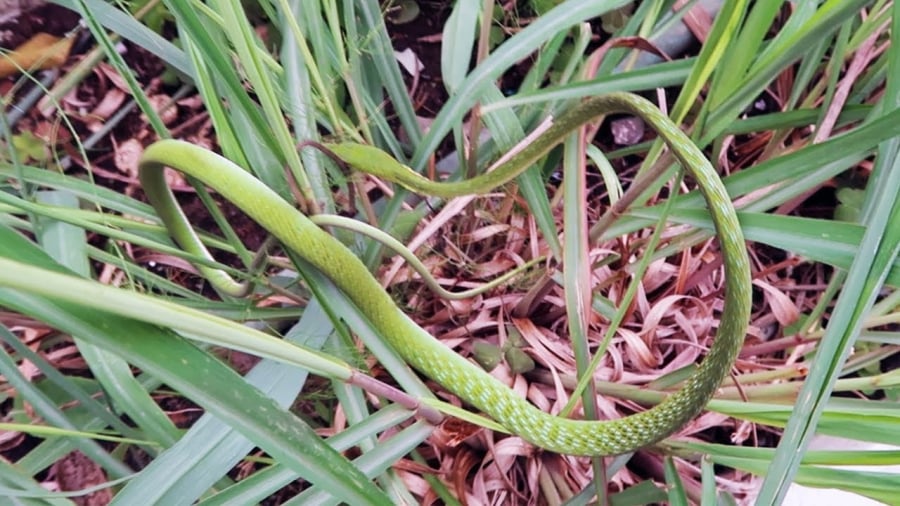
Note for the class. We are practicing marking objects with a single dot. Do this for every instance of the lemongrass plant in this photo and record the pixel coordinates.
(789, 108)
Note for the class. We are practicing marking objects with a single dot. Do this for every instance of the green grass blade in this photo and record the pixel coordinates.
(118, 62)
(862, 420)
(877, 253)
(267, 481)
(661, 75)
(217, 389)
(879, 486)
(378, 45)
(195, 373)
(209, 450)
(15, 483)
(830, 242)
(789, 45)
(513, 50)
(53, 415)
(675, 485)
(129, 28)
(68, 245)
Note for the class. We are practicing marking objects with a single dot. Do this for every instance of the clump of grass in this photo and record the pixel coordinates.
(798, 109)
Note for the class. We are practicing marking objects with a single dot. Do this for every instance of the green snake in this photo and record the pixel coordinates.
(417, 347)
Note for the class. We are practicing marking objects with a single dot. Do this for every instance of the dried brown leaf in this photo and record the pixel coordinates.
(783, 308)
(75, 472)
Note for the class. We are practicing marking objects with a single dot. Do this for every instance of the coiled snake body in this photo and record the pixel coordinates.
(420, 349)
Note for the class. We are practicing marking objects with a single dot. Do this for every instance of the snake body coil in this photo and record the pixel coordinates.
(419, 348)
